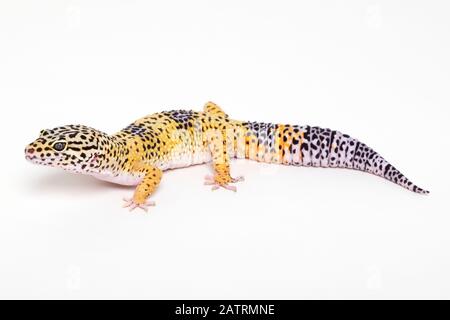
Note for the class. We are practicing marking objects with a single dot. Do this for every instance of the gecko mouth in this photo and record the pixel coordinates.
(40, 160)
(37, 160)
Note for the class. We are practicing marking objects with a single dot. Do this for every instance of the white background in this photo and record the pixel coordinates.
(378, 70)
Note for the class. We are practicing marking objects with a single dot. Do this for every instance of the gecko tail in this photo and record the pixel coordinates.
(398, 178)
(318, 147)
(341, 150)
(370, 161)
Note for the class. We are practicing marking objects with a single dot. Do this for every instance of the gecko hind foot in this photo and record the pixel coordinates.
(211, 181)
(129, 203)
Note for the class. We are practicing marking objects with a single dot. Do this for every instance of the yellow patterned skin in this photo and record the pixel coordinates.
(138, 154)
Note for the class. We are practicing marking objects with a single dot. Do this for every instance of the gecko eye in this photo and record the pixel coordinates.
(59, 146)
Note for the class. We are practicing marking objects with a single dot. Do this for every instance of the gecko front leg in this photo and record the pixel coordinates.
(148, 185)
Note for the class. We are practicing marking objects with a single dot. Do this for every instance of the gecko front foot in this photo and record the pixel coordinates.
(130, 203)
(217, 182)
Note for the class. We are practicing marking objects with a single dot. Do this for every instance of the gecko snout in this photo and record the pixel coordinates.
(30, 152)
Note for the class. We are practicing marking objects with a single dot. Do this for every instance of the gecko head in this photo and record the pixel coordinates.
(74, 148)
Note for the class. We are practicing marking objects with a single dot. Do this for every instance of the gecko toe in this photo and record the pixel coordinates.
(238, 179)
(212, 181)
(128, 202)
(228, 187)
(131, 205)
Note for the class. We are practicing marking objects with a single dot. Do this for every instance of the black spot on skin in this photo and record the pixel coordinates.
(86, 148)
(386, 169)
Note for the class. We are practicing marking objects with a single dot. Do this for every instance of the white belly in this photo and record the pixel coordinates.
(179, 161)
(126, 179)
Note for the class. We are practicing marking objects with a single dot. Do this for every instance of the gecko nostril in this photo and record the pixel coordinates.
(31, 150)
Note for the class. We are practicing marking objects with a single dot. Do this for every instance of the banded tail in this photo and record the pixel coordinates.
(317, 147)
